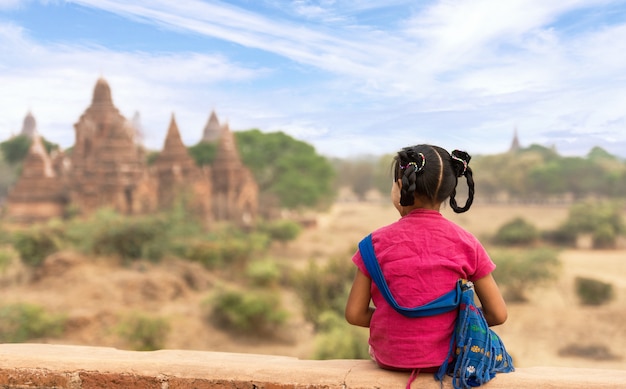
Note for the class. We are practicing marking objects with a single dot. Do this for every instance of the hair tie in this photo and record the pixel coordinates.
(459, 159)
(416, 168)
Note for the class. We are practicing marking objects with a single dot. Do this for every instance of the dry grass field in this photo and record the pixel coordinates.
(96, 293)
(552, 321)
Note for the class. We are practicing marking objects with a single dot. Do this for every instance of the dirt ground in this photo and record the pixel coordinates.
(96, 293)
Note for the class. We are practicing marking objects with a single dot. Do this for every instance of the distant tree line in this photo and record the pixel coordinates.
(292, 175)
(539, 174)
(532, 174)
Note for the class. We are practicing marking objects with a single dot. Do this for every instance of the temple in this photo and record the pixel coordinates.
(107, 168)
(515, 144)
(38, 194)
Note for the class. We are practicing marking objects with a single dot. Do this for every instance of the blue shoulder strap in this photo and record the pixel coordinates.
(442, 304)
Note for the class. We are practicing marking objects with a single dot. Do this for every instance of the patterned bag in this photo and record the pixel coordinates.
(476, 353)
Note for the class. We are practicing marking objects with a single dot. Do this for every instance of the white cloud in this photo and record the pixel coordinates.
(11, 4)
(457, 71)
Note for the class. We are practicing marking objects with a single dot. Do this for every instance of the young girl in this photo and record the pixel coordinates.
(422, 256)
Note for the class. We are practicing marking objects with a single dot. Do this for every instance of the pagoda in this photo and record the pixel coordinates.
(38, 194)
(179, 177)
(107, 168)
(235, 191)
(106, 163)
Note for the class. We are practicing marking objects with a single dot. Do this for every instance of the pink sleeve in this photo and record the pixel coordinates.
(358, 261)
(484, 264)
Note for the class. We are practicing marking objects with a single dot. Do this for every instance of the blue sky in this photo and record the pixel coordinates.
(350, 77)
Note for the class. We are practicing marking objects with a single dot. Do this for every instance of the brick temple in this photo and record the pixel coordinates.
(107, 168)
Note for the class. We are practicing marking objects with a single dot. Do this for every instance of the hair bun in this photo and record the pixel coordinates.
(460, 160)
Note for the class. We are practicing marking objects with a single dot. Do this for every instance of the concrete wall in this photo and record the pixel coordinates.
(76, 367)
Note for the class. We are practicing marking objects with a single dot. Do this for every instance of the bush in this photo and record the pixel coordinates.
(339, 340)
(222, 249)
(256, 313)
(594, 352)
(516, 232)
(35, 244)
(263, 273)
(132, 238)
(282, 230)
(143, 332)
(520, 271)
(324, 288)
(602, 220)
(21, 322)
(604, 236)
(206, 253)
(593, 292)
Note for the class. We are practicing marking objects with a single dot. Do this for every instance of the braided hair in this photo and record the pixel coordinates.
(430, 171)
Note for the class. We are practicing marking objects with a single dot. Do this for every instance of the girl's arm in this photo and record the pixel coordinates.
(493, 305)
(358, 311)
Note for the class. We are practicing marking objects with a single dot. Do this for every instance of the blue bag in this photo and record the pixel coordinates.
(476, 353)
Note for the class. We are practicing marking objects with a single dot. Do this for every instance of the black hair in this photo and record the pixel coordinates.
(430, 171)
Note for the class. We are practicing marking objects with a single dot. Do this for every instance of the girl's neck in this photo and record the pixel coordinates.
(420, 204)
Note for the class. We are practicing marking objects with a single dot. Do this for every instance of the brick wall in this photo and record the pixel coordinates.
(77, 367)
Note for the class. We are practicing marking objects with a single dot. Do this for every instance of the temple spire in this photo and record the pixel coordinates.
(29, 127)
(515, 145)
(173, 141)
(212, 129)
(102, 93)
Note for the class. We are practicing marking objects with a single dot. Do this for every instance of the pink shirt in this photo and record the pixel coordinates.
(422, 256)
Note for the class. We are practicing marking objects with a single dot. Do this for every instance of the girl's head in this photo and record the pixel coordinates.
(431, 173)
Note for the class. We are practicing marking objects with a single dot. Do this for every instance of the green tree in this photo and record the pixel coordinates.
(287, 169)
(203, 153)
(15, 149)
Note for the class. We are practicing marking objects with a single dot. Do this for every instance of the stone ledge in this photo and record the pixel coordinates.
(78, 367)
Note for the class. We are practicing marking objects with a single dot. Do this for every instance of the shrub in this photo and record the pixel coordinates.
(521, 270)
(604, 236)
(593, 292)
(595, 352)
(256, 313)
(282, 230)
(35, 244)
(132, 238)
(21, 322)
(339, 340)
(602, 220)
(324, 288)
(227, 247)
(205, 252)
(144, 332)
(263, 272)
(516, 232)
